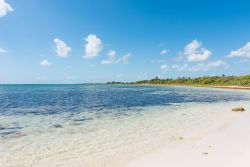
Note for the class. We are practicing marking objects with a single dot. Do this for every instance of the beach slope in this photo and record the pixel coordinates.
(226, 147)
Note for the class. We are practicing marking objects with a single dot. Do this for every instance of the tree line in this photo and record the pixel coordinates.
(199, 81)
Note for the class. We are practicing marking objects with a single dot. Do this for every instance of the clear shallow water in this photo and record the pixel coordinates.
(64, 123)
(57, 99)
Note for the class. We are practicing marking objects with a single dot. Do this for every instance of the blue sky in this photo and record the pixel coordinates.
(78, 41)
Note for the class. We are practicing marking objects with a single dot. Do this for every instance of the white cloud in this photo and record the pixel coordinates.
(111, 58)
(62, 49)
(164, 68)
(182, 67)
(3, 50)
(45, 63)
(208, 66)
(158, 61)
(4, 8)
(106, 62)
(194, 52)
(124, 59)
(93, 46)
(200, 67)
(164, 51)
(175, 66)
(111, 54)
(241, 52)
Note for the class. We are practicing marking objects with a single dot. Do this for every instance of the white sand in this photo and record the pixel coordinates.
(226, 147)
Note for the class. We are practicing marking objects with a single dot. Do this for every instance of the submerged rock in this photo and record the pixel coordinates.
(180, 138)
(57, 126)
(238, 109)
(83, 119)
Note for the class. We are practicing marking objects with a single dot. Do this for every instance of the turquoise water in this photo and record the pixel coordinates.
(56, 99)
(98, 99)
(58, 124)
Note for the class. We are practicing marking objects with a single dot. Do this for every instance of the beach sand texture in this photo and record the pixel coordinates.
(226, 147)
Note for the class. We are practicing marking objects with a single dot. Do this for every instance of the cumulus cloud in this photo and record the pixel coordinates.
(241, 52)
(45, 63)
(62, 49)
(112, 58)
(93, 46)
(200, 67)
(164, 51)
(195, 53)
(3, 50)
(4, 8)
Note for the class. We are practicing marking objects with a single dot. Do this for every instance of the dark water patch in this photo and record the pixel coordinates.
(75, 123)
(122, 114)
(13, 128)
(57, 126)
(8, 133)
(82, 119)
(12, 135)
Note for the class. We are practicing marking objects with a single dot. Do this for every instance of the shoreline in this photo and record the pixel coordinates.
(201, 86)
(228, 146)
(158, 136)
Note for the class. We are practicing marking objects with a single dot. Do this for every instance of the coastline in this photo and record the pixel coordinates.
(228, 146)
(201, 86)
(158, 136)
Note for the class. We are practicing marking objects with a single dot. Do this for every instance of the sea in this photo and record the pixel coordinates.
(95, 125)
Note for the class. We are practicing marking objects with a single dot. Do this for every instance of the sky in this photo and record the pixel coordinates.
(95, 41)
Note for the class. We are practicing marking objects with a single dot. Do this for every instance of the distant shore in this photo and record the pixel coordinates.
(197, 86)
(203, 86)
(223, 81)
(232, 87)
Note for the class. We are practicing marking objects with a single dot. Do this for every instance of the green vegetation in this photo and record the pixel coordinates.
(199, 81)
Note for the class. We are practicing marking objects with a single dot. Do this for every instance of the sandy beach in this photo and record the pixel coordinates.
(228, 146)
(196, 128)
(124, 83)
(203, 86)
